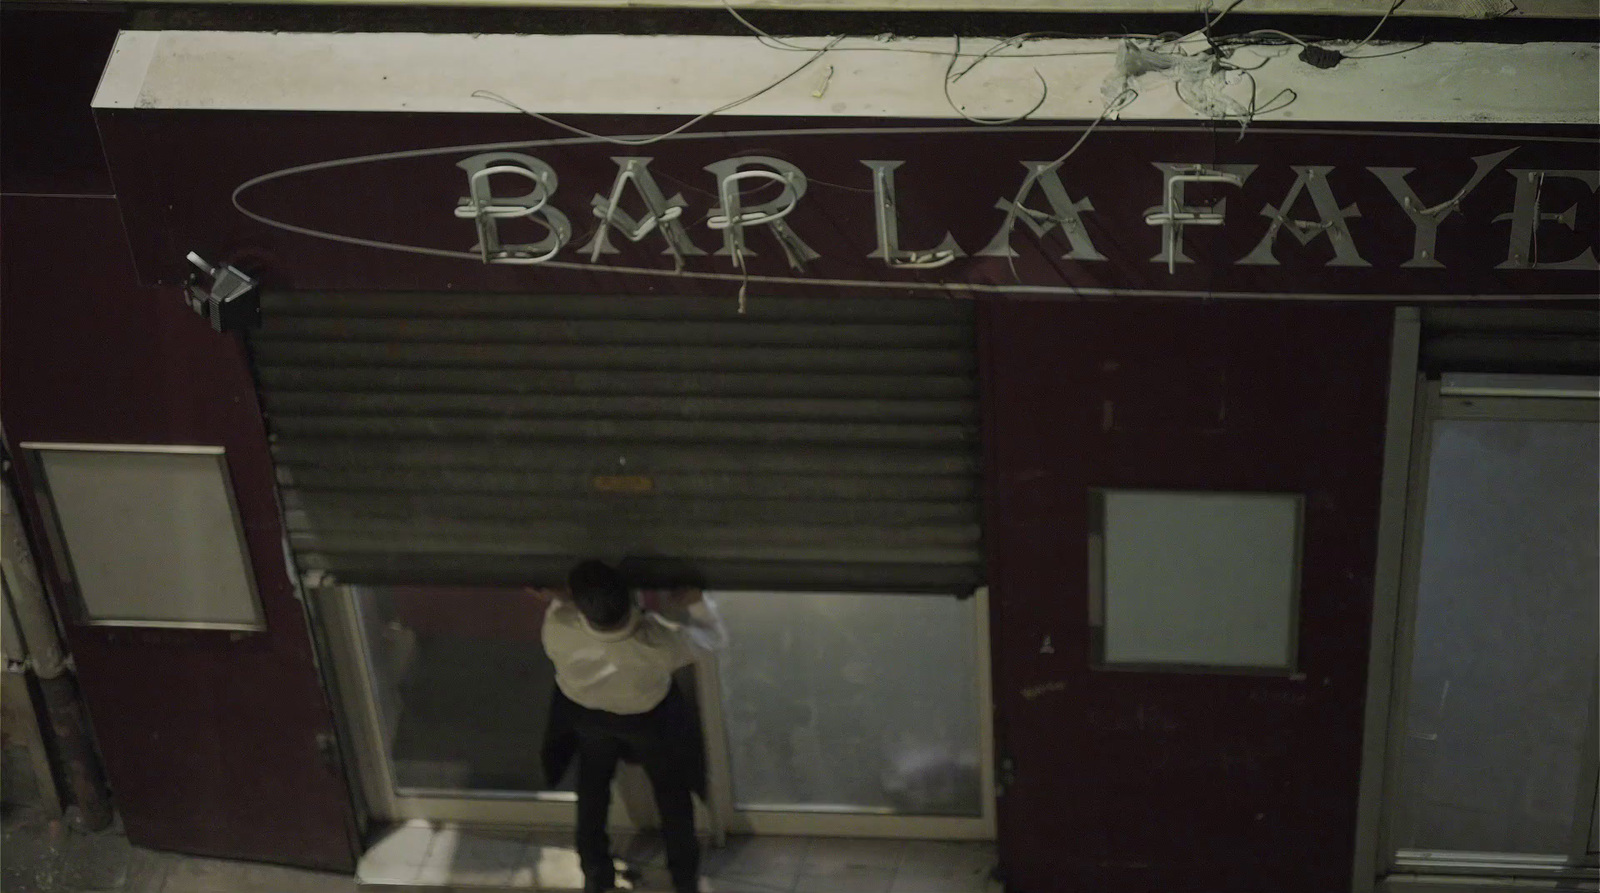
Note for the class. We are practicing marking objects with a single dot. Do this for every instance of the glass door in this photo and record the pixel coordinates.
(828, 714)
(846, 714)
(446, 691)
(1493, 762)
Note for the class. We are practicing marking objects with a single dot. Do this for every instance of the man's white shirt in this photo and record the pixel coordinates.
(627, 670)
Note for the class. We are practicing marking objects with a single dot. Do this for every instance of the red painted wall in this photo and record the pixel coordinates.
(1123, 782)
(1140, 782)
(209, 742)
(188, 178)
(209, 738)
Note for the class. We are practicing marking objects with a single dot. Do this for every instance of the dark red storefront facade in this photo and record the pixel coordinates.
(1263, 365)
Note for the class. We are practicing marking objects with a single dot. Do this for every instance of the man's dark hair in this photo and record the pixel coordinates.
(600, 593)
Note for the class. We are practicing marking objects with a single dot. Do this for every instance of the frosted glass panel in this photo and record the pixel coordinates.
(462, 687)
(152, 535)
(1200, 579)
(859, 703)
(1504, 668)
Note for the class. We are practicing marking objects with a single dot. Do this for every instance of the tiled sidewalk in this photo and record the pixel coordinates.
(42, 855)
(420, 854)
(39, 855)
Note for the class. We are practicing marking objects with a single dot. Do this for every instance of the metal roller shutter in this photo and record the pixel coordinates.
(1556, 342)
(493, 439)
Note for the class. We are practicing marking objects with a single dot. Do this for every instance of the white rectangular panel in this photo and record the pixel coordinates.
(151, 534)
(1200, 579)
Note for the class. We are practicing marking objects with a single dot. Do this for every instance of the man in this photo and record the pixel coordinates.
(614, 664)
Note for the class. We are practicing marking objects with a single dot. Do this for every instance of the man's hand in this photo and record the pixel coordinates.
(703, 628)
(547, 595)
(680, 599)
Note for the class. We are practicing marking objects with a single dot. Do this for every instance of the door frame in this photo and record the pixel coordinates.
(720, 816)
(359, 707)
(268, 637)
(1400, 434)
(857, 824)
(1415, 404)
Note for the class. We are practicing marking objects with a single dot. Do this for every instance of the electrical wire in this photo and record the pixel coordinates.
(1374, 33)
(1234, 66)
(1275, 32)
(956, 54)
(778, 43)
(645, 141)
(1217, 42)
(1212, 23)
(765, 37)
(1221, 47)
(1302, 40)
(1118, 103)
(1399, 52)
(1269, 108)
(1018, 40)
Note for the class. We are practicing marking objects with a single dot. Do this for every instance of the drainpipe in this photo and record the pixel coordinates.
(53, 666)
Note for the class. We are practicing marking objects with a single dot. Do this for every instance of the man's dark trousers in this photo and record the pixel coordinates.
(666, 742)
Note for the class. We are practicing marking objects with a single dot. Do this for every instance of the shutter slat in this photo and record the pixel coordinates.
(530, 484)
(352, 509)
(390, 568)
(708, 540)
(755, 358)
(494, 439)
(1511, 340)
(615, 455)
(297, 403)
(590, 431)
(670, 308)
(699, 548)
(632, 333)
(714, 383)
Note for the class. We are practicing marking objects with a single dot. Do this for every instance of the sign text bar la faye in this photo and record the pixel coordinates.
(505, 186)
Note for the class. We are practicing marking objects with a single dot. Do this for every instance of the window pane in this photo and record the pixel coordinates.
(860, 703)
(462, 686)
(1200, 579)
(1505, 641)
(152, 535)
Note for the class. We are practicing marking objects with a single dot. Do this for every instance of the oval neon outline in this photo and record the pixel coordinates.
(952, 288)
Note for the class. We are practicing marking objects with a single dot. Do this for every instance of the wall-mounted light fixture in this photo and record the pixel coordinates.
(224, 295)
